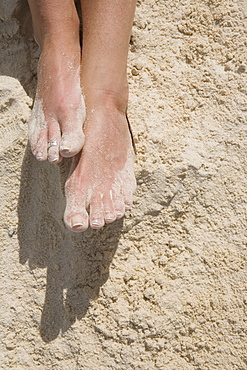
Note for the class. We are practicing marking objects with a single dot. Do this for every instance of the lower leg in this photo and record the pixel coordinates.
(102, 179)
(106, 33)
(59, 111)
(53, 20)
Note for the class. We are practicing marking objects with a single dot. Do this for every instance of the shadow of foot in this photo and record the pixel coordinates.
(77, 264)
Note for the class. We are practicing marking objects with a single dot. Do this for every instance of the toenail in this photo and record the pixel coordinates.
(119, 214)
(54, 159)
(65, 147)
(97, 223)
(78, 228)
(39, 156)
(110, 217)
(77, 221)
(65, 150)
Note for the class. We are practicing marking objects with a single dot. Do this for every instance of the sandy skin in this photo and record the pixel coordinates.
(101, 183)
(59, 110)
(100, 187)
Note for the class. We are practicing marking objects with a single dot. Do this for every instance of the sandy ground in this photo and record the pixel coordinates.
(165, 288)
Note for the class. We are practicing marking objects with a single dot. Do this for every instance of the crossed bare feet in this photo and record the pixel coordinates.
(101, 182)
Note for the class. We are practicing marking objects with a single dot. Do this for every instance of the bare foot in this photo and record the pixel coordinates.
(100, 187)
(59, 110)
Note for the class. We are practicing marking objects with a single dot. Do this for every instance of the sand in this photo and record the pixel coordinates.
(165, 288)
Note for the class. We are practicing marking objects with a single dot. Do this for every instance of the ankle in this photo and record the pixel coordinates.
(56, 42)
(111, 99)
(105, 86)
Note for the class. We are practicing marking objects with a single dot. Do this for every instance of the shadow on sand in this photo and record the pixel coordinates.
(77, 264)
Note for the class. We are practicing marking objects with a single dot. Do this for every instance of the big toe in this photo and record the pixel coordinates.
(77, 222)
(71, 143)
(75, 215)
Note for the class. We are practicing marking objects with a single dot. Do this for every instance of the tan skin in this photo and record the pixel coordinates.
(101, 183)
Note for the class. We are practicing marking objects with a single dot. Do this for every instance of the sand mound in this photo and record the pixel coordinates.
(166, 287)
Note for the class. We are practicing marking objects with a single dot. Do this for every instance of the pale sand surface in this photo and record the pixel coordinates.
(166, 287)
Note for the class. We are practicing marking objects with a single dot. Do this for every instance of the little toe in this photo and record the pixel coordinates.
(96, 212)
(119, 205)
(40, 150)
(36, 124)
(128, 205)
(128, 200)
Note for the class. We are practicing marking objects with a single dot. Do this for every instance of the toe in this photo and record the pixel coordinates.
(54, 141)
(53, 152)
(128, 191)
(71, 143)
(40, 149)
(75, 220)
(75, 215)
(79, 222)
(96, 212)
(37, 131)
(109, 210)
(72, 134)
(118, 201)
(128, 199)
